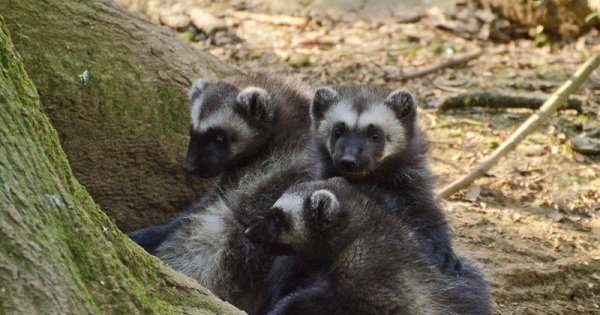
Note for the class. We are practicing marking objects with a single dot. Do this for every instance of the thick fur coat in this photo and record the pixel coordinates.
(370, 261)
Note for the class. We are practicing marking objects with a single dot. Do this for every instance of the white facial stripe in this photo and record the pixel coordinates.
(195, 111)
(382, 116)
(340, 112)
(221, 118)
(292, 204)
(228, 119)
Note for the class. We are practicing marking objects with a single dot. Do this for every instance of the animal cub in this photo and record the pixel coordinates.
(371, 262)
(370, 136)
(242, 119)
(236, 125)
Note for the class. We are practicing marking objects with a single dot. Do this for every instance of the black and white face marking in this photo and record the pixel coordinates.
(358, 138)
(300, 218)
(223, 123)
(281, 229)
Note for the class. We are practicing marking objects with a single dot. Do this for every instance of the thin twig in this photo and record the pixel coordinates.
(557, 99)
(450, 88)
(445, 64)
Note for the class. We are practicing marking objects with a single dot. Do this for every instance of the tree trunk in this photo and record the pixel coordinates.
(59, 254)
(114, 86)
(565, 18)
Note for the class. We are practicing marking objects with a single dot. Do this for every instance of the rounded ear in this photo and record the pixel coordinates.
(323, 99)
(403, 103)
(197, 87)
(323, 204)
(254, 101)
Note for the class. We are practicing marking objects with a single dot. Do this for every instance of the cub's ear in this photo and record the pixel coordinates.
(255, 101)
(197, 88)
(323, 99)
(403, 103)
(323, 205)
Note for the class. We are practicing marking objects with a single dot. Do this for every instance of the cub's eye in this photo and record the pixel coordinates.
(337, 131)
(219, 138)
(276, 219)
(375, 134)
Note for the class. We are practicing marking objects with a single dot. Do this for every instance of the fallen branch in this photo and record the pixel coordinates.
(497, 100)
(550, 106)
(272, 19)
(447, 63)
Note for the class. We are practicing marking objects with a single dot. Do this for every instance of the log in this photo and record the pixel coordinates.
(59, 254)
(498, 100)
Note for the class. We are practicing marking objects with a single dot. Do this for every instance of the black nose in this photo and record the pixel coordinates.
(348, 162)
(190, 167)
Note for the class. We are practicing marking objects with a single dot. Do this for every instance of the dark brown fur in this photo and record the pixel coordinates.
(280, 123)
(369, 260)
(401, 182)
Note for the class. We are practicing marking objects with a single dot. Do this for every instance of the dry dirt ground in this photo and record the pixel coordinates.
(534, 221)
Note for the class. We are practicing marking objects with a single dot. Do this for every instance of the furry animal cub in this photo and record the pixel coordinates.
(236, 125)
(370, 136)
(371, 262)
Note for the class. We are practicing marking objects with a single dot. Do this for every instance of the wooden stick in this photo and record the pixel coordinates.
(447, 63)
(550, 106)
(497, 100)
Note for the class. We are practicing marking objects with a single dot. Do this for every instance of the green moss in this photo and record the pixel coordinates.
(127, 125)
(67, 256)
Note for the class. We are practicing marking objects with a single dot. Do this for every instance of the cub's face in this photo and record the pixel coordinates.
(301, 222)
(360, 127)
(225, 124)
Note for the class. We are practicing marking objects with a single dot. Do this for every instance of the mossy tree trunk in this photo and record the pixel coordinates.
(59, 254)
(114, 87)
(565, 18)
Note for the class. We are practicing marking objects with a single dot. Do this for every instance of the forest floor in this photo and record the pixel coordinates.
(534, 221)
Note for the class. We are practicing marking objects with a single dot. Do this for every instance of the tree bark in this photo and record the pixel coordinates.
(59, 254)
(561, 17)
(114, 86)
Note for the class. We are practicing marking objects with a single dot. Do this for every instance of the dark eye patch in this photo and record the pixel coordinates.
(275, 216)
(218, 136)
(276, 219)
(375, 133)
(338, 129)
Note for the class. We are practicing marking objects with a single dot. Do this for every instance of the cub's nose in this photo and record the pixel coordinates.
(348, 162)
(190, 167)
